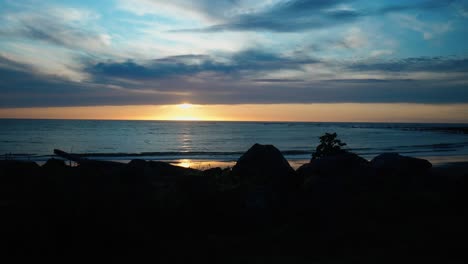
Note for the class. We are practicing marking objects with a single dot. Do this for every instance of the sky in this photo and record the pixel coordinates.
(284, 60)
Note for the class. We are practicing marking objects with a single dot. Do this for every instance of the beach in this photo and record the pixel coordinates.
(339, 207)
(208, 190)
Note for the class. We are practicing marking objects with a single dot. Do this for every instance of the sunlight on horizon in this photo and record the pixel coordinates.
(184, 118)
(337, 112)
(184, 112)
(185, 106)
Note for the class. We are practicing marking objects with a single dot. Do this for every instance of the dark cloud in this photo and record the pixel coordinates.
(368, 81)
(277, 80)
(301, 15)
(22, 86)
(245, 63)
(427, 64)
(329, 92)
(290, 16)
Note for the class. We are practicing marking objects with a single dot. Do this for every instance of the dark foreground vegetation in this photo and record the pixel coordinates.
(339, 207)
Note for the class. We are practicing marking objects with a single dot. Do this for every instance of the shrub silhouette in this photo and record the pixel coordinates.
(329, 145)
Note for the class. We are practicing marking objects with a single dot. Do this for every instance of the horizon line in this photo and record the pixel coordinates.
(231, 121)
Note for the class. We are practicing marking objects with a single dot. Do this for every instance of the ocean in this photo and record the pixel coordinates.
(207, 144)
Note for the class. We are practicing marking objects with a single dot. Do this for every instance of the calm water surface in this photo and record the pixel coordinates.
(219, 141)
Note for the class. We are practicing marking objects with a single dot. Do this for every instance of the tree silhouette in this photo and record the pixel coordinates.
(329, 145)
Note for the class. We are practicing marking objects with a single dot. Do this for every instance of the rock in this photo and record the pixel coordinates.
(164, 185)
(264, 165)
(267, 183)
(59, 175)
(18, 179)
(394, 163)
(213, 172)
(158, 168)
(54, 164)
(18, 168)
(343, 163)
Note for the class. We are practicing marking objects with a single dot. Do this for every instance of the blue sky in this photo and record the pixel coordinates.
(151, 52)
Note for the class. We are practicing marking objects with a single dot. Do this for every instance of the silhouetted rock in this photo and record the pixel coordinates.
(264, 165)
(54, 164)
(216, 172)
(343, 164)
(101, 165)
(344, 210)
(17, 167)
(394, 163)
(158, 168)
(268, 184)
(18, 178)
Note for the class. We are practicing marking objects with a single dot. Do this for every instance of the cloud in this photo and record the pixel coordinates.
(420, 64)
(205, 10)
(23, 86)
(67, 27)
(57, 56)
(277, 80)
(289, 16)
(428, 30)
(236, 65)
(355, 38)
(462, 9)
(202, 79)
(303, 15)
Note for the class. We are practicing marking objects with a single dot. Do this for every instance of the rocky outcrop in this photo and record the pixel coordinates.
(345, 162)
(264, 165)
(157, 169)
(18, 179)
(267, 181)
(398, 164)
(17, 168)
(346, 205)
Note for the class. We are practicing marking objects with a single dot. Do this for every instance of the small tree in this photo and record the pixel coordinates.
(329, 145)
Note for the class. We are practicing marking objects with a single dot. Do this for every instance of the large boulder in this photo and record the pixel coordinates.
(18, 173)
(157, 169)
(59, 177)
(340, 164)
(55, 166)
(267, 183)
(394, 163)
(18, 168)
(213, 172)
(18, 180)
(166, 185)
(264, 165)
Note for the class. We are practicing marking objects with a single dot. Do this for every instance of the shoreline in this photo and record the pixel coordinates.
(203, 164)
(337, 206)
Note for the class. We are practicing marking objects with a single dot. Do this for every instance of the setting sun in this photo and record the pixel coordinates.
(185, 106)
(184, 112)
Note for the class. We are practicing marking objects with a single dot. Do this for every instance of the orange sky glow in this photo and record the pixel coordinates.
(339, 112)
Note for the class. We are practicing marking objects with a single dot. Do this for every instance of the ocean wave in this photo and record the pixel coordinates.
(366, 151)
